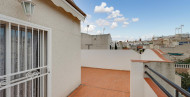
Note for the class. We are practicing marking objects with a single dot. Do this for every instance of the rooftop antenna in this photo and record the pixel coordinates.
(87, 27)
(175, 30)
(104, 29)
(181, 28)
(178, 30)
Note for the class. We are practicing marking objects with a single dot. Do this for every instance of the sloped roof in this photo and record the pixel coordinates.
(153, 55)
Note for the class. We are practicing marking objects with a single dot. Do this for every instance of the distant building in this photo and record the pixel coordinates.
(102, 41)
(171, 41)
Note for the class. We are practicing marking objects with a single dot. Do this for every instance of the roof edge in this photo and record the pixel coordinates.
(157, 52)
(76, 7)
(147, 61)
(66, 5)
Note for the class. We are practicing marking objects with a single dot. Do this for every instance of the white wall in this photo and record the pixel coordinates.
(165, 69)
(150, 55)
(108, 59)
(148, 91)
(137, 79)
(66, 67)
(138, 85)
(96, 41)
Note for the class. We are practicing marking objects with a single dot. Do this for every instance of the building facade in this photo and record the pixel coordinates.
(102, 41)
(37, 51)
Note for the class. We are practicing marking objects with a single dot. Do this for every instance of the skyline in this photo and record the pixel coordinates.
(134, 19)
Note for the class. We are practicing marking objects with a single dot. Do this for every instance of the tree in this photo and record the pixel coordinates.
(185, 81)
(115, 46)
(185, 61)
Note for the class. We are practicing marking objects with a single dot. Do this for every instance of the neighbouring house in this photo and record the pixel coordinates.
(180, 52)
(102, 41)
(39, 48)
(171, 41)
(182, 68)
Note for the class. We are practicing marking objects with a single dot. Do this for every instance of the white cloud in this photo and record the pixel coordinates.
(88, 16)
(120, 19)
(103, 9)
(87, 20)
(135, 19)
(98, 32)
(114, 14)
(102, 22)
(147, 36)
(114, 25)
(125, 24)
(116, 36)
(91, 28)
(122, 38)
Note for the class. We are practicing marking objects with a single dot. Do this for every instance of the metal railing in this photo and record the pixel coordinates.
(177, 88)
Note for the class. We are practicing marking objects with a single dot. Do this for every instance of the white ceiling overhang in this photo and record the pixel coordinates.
(69, 8)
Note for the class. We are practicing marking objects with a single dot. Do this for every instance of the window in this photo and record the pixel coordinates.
(2, 54)
(24, 64)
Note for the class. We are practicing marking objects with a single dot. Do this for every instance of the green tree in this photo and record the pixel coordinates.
(185, 81)
(185, 61)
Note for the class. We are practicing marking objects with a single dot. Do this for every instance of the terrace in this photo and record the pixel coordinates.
(103, 83)
(127, 74)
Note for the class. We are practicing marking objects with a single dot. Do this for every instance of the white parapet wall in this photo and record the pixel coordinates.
(137, 80)
(148, 91)
(108, 59)
(154, 59)
(138, 86)
(150, 55)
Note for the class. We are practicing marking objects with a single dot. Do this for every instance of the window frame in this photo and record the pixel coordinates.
(10, 20)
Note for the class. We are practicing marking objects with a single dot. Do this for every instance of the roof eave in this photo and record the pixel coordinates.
(76, 7)
(70, 8)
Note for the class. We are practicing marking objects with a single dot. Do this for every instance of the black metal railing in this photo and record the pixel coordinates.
(177, 88)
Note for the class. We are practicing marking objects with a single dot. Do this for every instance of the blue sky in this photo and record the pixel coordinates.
(134, 19)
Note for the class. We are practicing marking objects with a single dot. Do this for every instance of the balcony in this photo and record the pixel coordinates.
(127, 74)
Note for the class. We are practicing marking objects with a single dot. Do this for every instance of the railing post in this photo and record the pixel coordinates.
(176, 93)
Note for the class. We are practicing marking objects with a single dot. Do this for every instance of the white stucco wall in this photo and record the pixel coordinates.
(148, 91)
(138, 86)
(108, 59)
(165, 69)
(102, 41)
(66, 68)
(137, 79)
(150, 55)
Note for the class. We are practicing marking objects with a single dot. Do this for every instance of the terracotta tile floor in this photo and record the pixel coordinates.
(103, 83)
